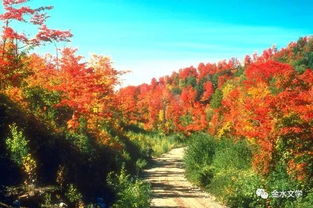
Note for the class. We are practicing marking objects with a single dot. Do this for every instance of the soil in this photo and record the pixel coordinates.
(171, 189)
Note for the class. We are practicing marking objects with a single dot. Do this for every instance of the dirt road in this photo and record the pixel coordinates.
(171, 189)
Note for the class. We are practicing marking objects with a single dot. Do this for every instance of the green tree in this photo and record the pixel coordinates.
(217, 98)
(17, 144)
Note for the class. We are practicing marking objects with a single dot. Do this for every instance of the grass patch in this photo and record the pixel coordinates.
(153, 144)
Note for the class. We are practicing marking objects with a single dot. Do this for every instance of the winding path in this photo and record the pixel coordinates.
(171, 189)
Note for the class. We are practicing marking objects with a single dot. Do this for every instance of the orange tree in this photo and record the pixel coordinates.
(15, 44)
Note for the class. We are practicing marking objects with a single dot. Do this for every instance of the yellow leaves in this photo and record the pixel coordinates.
(60, 179)
(252, 140)
(16, 95)
(99, 62)
(104, 137)
(248, 128)
(169, 87)
(73, 123)
(161, 115)
(29, 166)
(169, 125)
(227, 88)
(225, 130)
(102, 66)
(260, 91)
(96, 109)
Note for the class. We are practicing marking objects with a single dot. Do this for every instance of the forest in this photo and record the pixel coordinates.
(69, 134)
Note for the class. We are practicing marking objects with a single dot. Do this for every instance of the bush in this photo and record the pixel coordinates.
(155, 143)
(279, 179)
(129, 192)
(243, 190)
(233, 181)
(306, 201)
(229, 163)
(17, 145)
(232, 155)
(223, 167)
(73, 195)
(140, 165)
(198, 158)
(81, 141)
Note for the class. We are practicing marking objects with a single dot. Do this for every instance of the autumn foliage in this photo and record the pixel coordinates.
(61, 119)
(71, 90)
(266, 100)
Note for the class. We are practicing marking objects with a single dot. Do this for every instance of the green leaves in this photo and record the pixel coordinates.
(131, 192)
(73, 194)
(17, 144)
(216, 99)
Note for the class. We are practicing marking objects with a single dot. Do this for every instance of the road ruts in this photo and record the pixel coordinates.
(171, 189)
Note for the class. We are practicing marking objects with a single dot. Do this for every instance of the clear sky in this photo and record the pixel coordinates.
(155, 37)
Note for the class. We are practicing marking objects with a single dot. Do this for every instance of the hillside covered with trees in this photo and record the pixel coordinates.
(67, 135)
(257, 114)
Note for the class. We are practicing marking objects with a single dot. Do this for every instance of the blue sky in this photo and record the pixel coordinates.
(155, 37)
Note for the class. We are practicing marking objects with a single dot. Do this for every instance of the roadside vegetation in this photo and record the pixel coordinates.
(67, 135)
(222, 167)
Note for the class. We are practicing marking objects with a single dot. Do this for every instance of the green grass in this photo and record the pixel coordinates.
(154, 143)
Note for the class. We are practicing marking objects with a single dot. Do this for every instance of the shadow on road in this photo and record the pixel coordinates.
(170, 188)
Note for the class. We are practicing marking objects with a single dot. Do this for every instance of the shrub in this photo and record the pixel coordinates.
(243, 190)
(232, 155)
(140, 165)
(223, 167)
(279, 179)
(130, 192)
(233, 181)
(198, 158)
(73, 195)
(306, 201)
(17, 144)
(155, 143)
(81, 141)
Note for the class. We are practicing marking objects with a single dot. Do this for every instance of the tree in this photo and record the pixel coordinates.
(13, 11)
(15, 44)
(208, 91)
(217, 98)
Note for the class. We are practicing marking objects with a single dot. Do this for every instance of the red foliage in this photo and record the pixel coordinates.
(188, 95)
(266, 70)
(31, 16)
(46, 34)
(187, 72)
(273, 103)
(208, 91)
